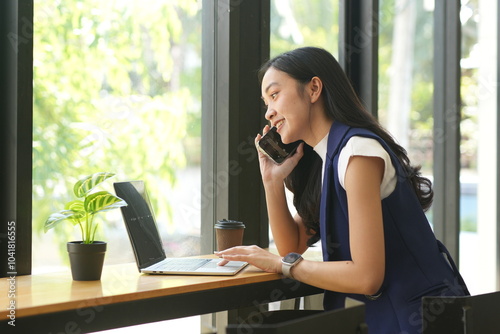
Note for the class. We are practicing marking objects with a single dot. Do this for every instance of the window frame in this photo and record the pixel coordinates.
(358, 48)
(231, 117)
(447, 116)
(16, 128)
(497, 185)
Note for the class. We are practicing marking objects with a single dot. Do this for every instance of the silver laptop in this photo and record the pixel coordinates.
(146, 242)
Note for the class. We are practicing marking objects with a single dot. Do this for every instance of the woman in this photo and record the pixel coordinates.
(355, 191)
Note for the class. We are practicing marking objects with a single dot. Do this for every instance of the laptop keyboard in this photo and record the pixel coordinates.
(180, 264)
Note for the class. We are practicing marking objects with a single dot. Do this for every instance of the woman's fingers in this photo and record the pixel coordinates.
(222, 262)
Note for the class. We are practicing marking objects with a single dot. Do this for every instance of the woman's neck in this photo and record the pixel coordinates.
(320, 127)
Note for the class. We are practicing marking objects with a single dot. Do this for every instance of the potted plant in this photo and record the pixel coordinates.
(86, 256)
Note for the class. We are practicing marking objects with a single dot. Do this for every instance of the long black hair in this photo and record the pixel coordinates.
(342, 104)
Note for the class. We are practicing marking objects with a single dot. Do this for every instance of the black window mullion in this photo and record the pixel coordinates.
(497, 155)
(358, 48)
(446, 213)
(16, 77)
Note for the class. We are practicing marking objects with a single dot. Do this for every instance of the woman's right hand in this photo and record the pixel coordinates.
(272, 172)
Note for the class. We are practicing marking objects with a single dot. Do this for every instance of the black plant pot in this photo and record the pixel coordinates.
(86, 260)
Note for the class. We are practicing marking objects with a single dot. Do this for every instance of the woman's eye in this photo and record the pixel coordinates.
(273, 95)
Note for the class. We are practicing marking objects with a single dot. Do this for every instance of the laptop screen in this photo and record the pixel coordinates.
(140, 222)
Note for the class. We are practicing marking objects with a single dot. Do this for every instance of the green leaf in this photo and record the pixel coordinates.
(85, 185)
(102, 201)
(55, 218)
(78, 209)
(76, 205)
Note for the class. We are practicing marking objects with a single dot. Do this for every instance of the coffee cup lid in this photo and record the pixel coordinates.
(229, 224)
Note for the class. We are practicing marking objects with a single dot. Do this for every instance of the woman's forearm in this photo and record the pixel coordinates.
(341, 276)
(287, 232)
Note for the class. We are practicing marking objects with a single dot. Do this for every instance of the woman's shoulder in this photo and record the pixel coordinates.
(369, 147)
(361, 145)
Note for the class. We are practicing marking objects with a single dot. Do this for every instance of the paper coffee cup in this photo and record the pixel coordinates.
(229, 233)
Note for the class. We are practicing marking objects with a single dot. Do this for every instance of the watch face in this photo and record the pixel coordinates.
(291, 257)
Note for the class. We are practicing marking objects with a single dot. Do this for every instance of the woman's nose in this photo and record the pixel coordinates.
(270, 113)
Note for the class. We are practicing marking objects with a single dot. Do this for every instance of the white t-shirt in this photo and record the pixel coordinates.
(361, 146)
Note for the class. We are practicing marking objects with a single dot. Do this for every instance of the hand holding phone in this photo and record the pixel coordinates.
(271, 145)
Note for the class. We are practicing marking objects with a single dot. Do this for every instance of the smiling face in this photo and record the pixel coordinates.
(295, 109)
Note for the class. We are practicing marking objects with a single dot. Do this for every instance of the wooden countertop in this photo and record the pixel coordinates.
(54, 302)
(54, 292)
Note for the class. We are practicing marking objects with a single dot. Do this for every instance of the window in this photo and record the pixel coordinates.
(479, 84)
(406, 77)
(406, 61)
(405, 104)
(117, 88)
(304, 23)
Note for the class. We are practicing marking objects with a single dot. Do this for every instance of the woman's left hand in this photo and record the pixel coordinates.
(254, 255)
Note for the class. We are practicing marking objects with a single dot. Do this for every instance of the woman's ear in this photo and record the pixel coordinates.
(315, 89)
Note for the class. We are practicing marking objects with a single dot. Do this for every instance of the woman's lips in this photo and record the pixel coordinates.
(278, 124)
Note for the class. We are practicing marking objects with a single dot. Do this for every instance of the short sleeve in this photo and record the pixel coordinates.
(369, 147)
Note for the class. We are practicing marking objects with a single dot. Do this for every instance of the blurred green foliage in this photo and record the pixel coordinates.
(304, 23)
(117, 87)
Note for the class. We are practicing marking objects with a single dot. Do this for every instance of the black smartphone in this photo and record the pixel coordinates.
(271, 145)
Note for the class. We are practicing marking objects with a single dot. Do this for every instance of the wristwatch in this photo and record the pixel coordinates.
(288, 262)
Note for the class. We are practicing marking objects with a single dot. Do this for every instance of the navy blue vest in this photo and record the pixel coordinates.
(416, 263)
